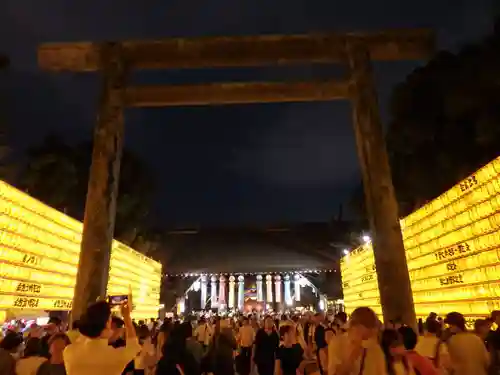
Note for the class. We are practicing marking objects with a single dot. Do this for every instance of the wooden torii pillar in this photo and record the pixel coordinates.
(357, 50)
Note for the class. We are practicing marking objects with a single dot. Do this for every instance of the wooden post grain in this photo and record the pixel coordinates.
(392, 270)
(100, 207)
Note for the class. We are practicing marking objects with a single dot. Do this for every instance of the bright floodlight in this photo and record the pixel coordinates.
(366, 238)
(346, 251)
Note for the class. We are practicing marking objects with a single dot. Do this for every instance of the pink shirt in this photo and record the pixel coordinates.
(422, 364)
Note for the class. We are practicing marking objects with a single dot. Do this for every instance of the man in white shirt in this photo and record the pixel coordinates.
(357, 352)
(92, 354)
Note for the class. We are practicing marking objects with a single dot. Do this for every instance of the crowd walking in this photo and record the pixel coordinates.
(308, 344)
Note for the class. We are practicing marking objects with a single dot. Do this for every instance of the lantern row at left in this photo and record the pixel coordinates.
(39, 253)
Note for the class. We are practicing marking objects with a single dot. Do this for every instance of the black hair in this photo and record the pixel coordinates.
(389, 338)
(75, 324)
(119, 323)
(11, 341)
(32, 348)
(342, 316)
(433, 326)
(55, 320)
(95, 319)
(284, 330)
(142, 332)
(409, 337)
(187, 329)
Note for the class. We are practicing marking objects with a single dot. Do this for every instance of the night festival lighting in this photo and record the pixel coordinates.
(452, 250)
(39, 254)
(291, 271)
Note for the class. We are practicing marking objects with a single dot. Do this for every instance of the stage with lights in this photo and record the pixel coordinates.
(253, 292)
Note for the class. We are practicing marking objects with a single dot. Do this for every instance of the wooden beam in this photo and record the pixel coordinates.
(174, 53)
(235, 93)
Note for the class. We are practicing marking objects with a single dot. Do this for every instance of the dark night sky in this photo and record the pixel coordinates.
(234, 164)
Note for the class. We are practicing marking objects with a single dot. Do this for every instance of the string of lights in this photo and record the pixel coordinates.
(197, 274)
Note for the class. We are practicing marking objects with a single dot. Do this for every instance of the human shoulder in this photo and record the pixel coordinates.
(465, 338)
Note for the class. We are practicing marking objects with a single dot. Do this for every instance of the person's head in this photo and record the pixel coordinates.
(53, 325)
(12, 342)
(319, 317)
(482, 327)
(341, 318)
(166, 327)
(245, 321)
(392, 343)
(456, 321)
(409, 337)
(287, 334)
(57, 343)
(495, 317)
(116, 323)
(364, 322)
(432, 315)
(32, 348)
(142, 332)
(268, 323)
(432, 326)
(187, 329)
(96, 321)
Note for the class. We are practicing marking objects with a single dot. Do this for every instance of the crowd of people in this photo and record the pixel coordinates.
(311, 344)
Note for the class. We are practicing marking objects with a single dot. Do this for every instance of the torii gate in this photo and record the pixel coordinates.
(115, 60)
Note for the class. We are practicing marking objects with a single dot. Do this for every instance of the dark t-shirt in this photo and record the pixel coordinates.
(266, 346)
(319, 337)
(290, 358)
(44, 346)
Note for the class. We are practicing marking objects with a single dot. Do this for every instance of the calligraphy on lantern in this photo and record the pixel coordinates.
(452, 251)
(24, 302)
(28, 288)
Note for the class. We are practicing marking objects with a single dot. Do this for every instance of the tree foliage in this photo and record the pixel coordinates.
(445, 122)
(57, 173)
(7, 167)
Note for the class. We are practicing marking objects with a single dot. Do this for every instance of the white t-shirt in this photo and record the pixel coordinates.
(468, 354)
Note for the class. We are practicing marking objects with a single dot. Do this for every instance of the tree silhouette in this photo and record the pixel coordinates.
(444, 125)
(57, 174)
(7, 168)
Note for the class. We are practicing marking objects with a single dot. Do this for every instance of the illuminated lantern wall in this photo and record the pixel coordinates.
(452, 249)
(39, 251)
